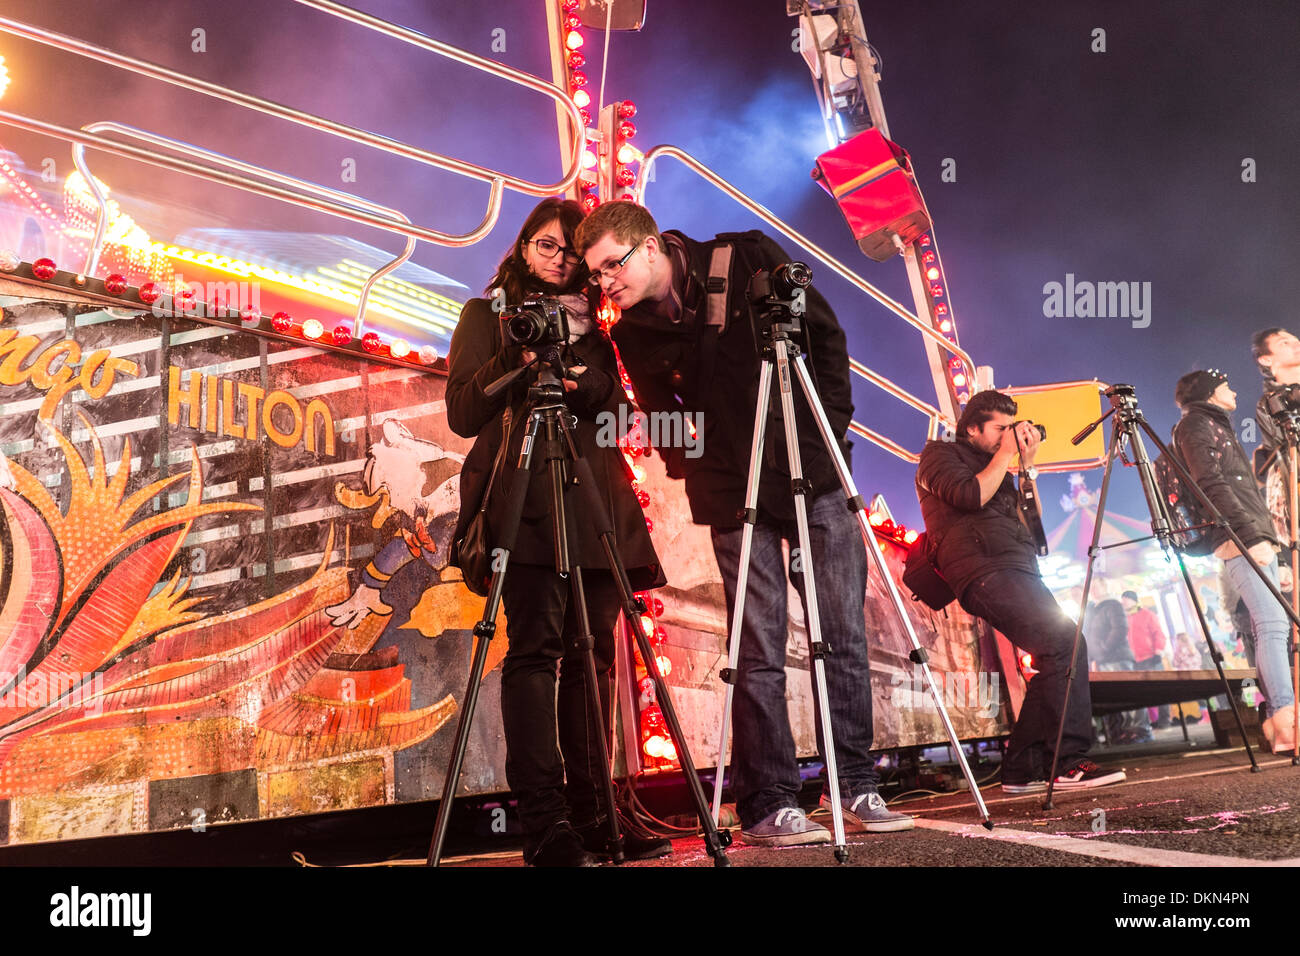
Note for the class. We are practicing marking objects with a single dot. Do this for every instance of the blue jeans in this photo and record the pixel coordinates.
(764, 771)
(1271, 627)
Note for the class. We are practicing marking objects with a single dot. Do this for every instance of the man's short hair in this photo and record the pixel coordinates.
(1259, 346)
(626, 221)
(982, 407)
(1131, 595)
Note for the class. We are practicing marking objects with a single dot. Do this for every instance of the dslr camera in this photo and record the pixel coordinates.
(1283, 401)
(537, 322)
(1041, 429)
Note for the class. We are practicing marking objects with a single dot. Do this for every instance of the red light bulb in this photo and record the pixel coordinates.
(626, 177)
(576, 61)
(115, 284)
(44, 269)
(342, 335)
(370, 342)
(643, 498)
(150, 293)
(626, 130)
(281, 322)
(578, 80)
(626, 109)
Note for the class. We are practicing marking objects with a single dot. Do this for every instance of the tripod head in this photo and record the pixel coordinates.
(1283, 406)
(548, 389)
(779, 299)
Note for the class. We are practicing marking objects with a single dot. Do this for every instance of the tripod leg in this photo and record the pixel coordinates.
(484, 631)
(587, 643)
(586, 483)
(818, 649)
(1217, 656)
(1293, 493)
(918, 654)
(1094, 550)
(742, 578)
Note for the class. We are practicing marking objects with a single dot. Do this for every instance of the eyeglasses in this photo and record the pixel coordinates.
(549, 247)
(608, 272)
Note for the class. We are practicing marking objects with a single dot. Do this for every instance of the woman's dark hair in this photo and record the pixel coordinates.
(513, 274)
(981, 408)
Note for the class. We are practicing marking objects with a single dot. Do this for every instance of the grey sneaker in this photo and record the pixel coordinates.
(785, 827)
(868, 812)
(1029, 786)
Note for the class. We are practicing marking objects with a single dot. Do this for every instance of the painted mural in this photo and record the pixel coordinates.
(225, 594)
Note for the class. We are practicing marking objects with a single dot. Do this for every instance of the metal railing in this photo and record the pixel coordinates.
(840, 269)
(345, 199)
(390, 220)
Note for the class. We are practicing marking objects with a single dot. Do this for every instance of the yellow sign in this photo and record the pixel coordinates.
(1064, 411)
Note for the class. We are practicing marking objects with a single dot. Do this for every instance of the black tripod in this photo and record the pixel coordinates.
(1128, 419)
(549, 417)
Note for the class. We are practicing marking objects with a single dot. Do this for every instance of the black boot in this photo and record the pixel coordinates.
(595, 838)
(560, 845)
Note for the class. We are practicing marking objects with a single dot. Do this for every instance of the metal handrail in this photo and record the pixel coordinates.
(886, 443)
(900, 393)
(248, 185)
(101, 224)
(350, 133)
(791, 233)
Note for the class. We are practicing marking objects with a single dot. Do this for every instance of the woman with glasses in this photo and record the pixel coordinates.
(556, 780)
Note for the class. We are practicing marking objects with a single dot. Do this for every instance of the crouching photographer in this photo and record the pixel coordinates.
(984, 552)
(551, 740)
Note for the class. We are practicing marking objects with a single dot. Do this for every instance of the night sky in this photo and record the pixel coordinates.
(1117, 166)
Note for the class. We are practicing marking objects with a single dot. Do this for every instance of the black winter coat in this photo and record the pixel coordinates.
(475, 360)
(666, 362)
(966, 539)
(1218, 463)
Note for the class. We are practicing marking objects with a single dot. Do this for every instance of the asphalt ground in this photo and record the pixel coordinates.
(1184, 804)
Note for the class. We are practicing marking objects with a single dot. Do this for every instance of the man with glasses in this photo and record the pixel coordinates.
(687, 338)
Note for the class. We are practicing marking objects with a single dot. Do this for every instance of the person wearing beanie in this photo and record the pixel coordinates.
(1218, 464)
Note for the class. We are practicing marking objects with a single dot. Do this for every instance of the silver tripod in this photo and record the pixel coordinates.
(783, 352)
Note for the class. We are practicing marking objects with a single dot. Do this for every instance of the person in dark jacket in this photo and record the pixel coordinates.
(1106, 628)
(688, 341)
(985, 553)
(1218, 464)
(1277, 353)
(557, 790)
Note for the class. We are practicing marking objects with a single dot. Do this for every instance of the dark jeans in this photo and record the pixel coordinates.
(541, 624)
(1019, 605)
(764, 771)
